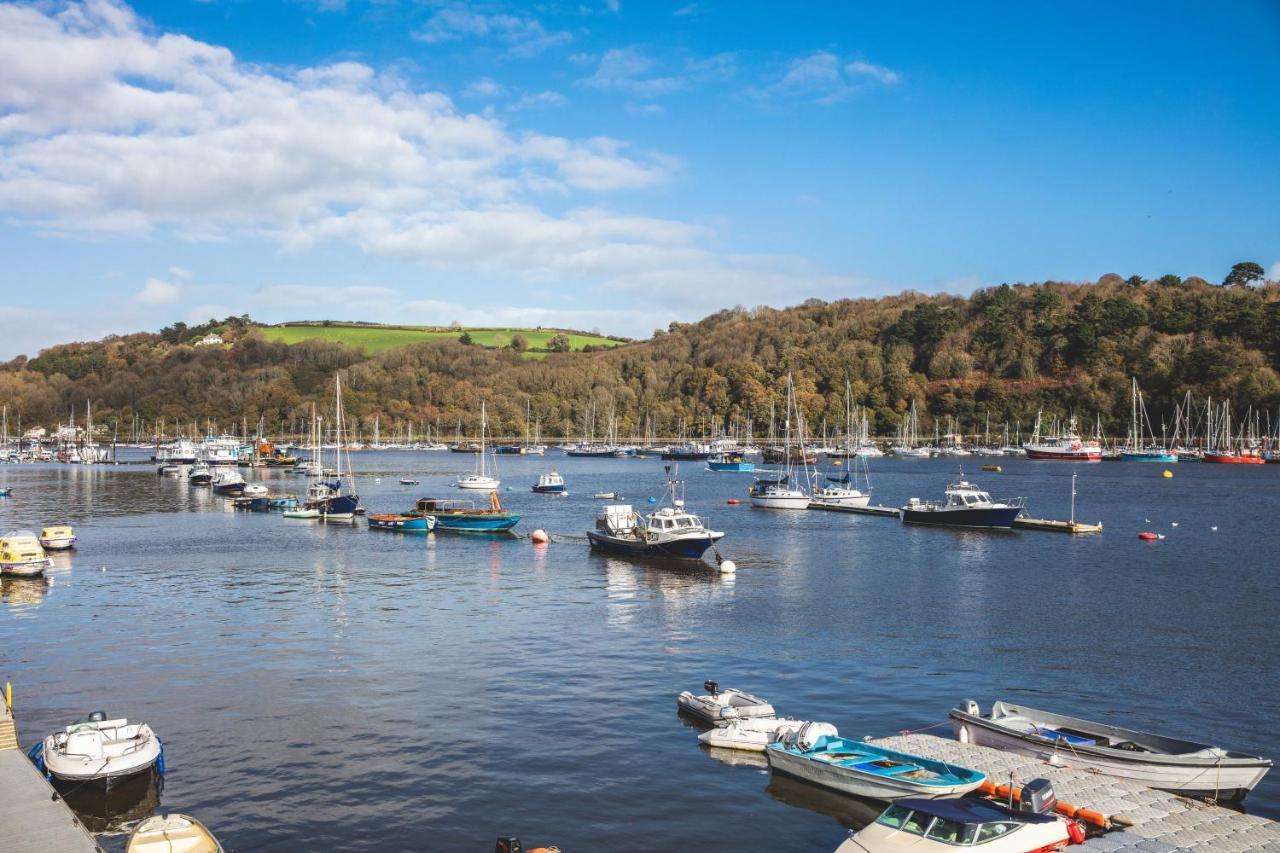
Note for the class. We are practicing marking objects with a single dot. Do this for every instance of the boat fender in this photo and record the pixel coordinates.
(539, 537)
(1075, 832)
(1092, 817)
(727, 567)
(962, 734)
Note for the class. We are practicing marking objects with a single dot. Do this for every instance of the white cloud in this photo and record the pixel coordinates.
(538, 99)
(824, 77)
(631, 70)
(1273, 274)
(160, 291)
(524, 37)
(485, 87)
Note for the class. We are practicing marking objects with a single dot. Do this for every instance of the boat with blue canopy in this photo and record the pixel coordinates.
(730, 462)
(866, 770)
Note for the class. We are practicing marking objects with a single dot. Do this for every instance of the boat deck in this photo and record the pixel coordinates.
(1055, 526)
(32, 819)
(1146, 820)
(858, 510)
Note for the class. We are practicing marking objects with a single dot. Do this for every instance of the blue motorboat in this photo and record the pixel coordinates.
(550, 484)
(463, 515)
(283, 502)
(252, 504)
(403, 523)
(6, 491)
(1150, 454)
(730, 462)
(866, 770)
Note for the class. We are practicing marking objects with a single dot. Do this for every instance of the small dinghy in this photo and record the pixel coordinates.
(255, 490)
(172, 833)
(866, 770)
(607, 496)
(408, 481)
(403, 523)
(754, 734)
(59, 537)
(21, 554)
(718, 707)
(301, 513)
(98, 749)
(6, 491)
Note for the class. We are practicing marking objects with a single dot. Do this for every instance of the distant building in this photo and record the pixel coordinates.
(209, 340)
(38, 432)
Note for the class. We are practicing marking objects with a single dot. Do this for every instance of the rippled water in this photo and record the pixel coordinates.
(327, 686)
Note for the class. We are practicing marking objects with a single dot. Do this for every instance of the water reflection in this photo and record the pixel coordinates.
(116, 809)
(23, 595)
(735, 757)
(851, 812)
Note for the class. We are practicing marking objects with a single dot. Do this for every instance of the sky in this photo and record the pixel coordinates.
(613, 164)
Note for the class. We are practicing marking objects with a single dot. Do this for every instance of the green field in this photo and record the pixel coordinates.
(374, 339)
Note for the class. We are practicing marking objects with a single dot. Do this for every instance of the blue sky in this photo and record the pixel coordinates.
(613, 165)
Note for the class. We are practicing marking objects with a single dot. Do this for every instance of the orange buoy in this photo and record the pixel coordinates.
(1092, 817)
(733, 502)
(539, 537)
(1065, 809)
(1148, 536)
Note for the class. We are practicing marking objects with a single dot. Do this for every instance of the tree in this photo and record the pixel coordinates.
(1243, 273)
(1135, 281)
(1169, 280)
(465, 339)
(559, 343)
(519, 343)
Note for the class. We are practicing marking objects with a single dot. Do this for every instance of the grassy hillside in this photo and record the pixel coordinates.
(377, 338)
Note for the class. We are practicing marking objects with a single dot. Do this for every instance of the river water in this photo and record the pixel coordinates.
(329, 687)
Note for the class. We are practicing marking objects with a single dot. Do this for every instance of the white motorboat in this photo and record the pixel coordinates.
(753, 734)
(228, 482)
(301, 513)
(1170, 764)
(255, 490)
(713, 706)
(21, 554)
(172, 833)
(607, 496)
(57, 537)
(101, 749)
(939, 825)
(480, 479)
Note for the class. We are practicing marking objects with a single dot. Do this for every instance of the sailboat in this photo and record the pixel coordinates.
(842, 491)
(480, 479)
(776, 491)
(1138, 449)
(325, 495)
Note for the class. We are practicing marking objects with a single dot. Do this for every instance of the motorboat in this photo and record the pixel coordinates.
(402, 523)
(172, 833)
(730, 462)
(255, 490)
(751, 734)
(965, 506)
(550, 484)
(463, 515)
(58, 537)
(21, 554)
(1170, 764)
(200, 474)
(301, 513)
(6, 491)
(1066, 445)
(408, 481)
(866, 770)
(607, 496)
(99, 749)
(282, 502)
(228, 481)
(934, 826)
(252, 503)
(669, 532)
(695, 451)
(718, 707)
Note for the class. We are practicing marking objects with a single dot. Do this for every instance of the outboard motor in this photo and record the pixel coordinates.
(1037, 796)
(712, 688)
(509, 844)
(971, 708)
(97, 717)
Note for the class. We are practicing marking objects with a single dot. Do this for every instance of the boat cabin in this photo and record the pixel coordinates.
(964, 494)
(958, 822)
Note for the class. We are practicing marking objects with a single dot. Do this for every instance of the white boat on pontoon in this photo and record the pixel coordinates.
(751, 734)
(100, 749)
(1169, 764)
(713, 707)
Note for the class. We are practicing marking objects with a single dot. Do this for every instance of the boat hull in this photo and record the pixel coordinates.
(1232, 459)
(858, 784)
(1082, 455)
(476, 523)
(990, 518)
(780, 501)
(25, 568)
(339, 505)
(690, 548)
(731, 466)
(403, 523)
(1148, 457)
(1223, 778)
(549, 490)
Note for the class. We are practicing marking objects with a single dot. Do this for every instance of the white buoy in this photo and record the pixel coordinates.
(1174, 523)
(727, 567)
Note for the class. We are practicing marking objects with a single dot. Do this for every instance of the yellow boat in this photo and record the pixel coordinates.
(59, 537)
(21, 554)
(172, 833)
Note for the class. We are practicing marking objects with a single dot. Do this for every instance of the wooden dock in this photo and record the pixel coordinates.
(1145, 820)
(856, 510)
(33, 819)
(1053, 526)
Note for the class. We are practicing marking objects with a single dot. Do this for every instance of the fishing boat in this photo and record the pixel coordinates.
(1170, 764)
(730, 461)
(57, 537)
(172, 833)
(691, 451)
(229, 482)
(99, 750)
(718, 707)
(669, 532)
(1066, 445)
(465, 516)
(776, 491)
(550, 484)
(21, 555)
(940, 825)
(328, 495)
(200, 474)
(403, 523)
(965, 506)
(479, 480)
(866, 770)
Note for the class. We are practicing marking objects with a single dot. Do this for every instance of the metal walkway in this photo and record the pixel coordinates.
(1153, 821)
